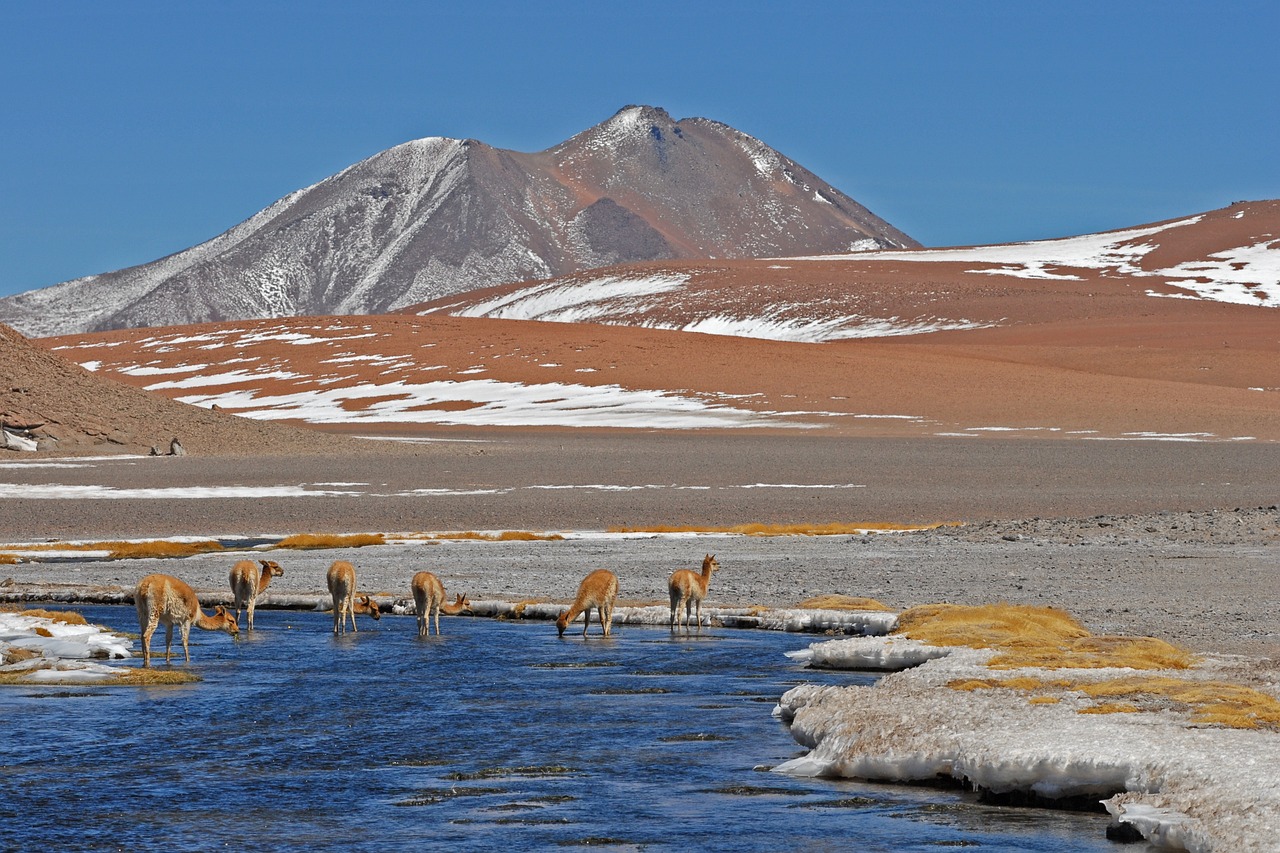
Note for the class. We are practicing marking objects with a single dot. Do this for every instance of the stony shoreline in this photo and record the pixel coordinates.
(1207, 580)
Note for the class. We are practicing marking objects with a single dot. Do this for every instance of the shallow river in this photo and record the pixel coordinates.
(495, 736)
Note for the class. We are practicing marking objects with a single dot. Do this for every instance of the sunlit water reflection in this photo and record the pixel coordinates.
(497, 735)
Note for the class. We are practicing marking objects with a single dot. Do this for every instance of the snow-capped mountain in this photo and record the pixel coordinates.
(435, 217)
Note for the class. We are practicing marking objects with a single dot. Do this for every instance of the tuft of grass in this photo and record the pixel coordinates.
(160, 548)
(841, 602)
(504, 536)
(1099, 652)
(315, 541)
(756, 529)
(1027, 636)
(1211, 702)
(9, 559)
(157, 548)
(140, 677)
(125, 677)
(1003, 626)
(66, 617)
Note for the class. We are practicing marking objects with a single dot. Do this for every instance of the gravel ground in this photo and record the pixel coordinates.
(1207, 580)
(1187, 549)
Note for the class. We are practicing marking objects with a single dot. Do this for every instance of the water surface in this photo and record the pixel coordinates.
(495, 736)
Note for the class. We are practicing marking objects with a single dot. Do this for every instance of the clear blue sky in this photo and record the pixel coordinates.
(135, 129)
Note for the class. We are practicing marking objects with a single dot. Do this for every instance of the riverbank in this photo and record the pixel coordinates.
(1206, 580)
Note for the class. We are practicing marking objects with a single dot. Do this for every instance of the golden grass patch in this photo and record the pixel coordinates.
(1097, 653)
(989, 625)
(1209, 702)
(842, 602)
(1112, 708)
(1215, 702)
(1025, 636)
(755, 529)
(9, 559)
(315, 541)
(124, 677)
(67, 617)
(158, 548)
(504, 536)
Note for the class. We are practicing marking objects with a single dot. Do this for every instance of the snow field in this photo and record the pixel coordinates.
(1184, 786)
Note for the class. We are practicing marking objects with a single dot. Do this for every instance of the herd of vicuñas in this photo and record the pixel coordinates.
(166, 600)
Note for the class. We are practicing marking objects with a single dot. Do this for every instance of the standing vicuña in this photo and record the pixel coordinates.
(247, 583)
(342, 586)
(164, 598)
(599, 590)
(428, 599)
(688, 588)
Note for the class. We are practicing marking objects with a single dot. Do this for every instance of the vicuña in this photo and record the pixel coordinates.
(688, 588)
(428, 600)
(165, 599)
(247, 583)
(342, 587)
(599, 590)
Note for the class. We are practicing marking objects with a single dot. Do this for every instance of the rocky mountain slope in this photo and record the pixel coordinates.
(436, 216)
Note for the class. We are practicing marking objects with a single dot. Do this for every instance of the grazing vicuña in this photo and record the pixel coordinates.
(342, 587)
(428, 600)
(599, 590)
(165, 599)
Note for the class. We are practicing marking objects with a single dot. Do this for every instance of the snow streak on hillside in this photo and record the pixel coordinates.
(675, 301)
(1245, 275)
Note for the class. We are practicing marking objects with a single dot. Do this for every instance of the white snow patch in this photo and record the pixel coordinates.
(1247, 275)
(573, 300)
(495, 404)
(58, 491)
(910, 726)
(66, 653)
(235, 377)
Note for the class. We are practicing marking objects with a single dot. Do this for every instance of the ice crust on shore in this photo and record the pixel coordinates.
(65, 653)
(1183, 786)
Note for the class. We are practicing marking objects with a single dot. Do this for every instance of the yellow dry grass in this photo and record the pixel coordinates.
(9, 559)
(504, 536)
(1035, 636)
(125, 677)
(1212, 702)
(315, 541)
(65, 616)
(842, 602)
(1097, 653)
(756, 529)
(158, 548)
(1208, 702)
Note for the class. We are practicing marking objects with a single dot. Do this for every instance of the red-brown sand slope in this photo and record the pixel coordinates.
(66, 409)
(1166, 374)
(1225, 256)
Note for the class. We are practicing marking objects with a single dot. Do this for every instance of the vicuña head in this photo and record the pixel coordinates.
(164, 599)
(599, 590)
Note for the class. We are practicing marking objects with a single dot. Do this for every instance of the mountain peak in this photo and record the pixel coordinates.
(438, 216)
